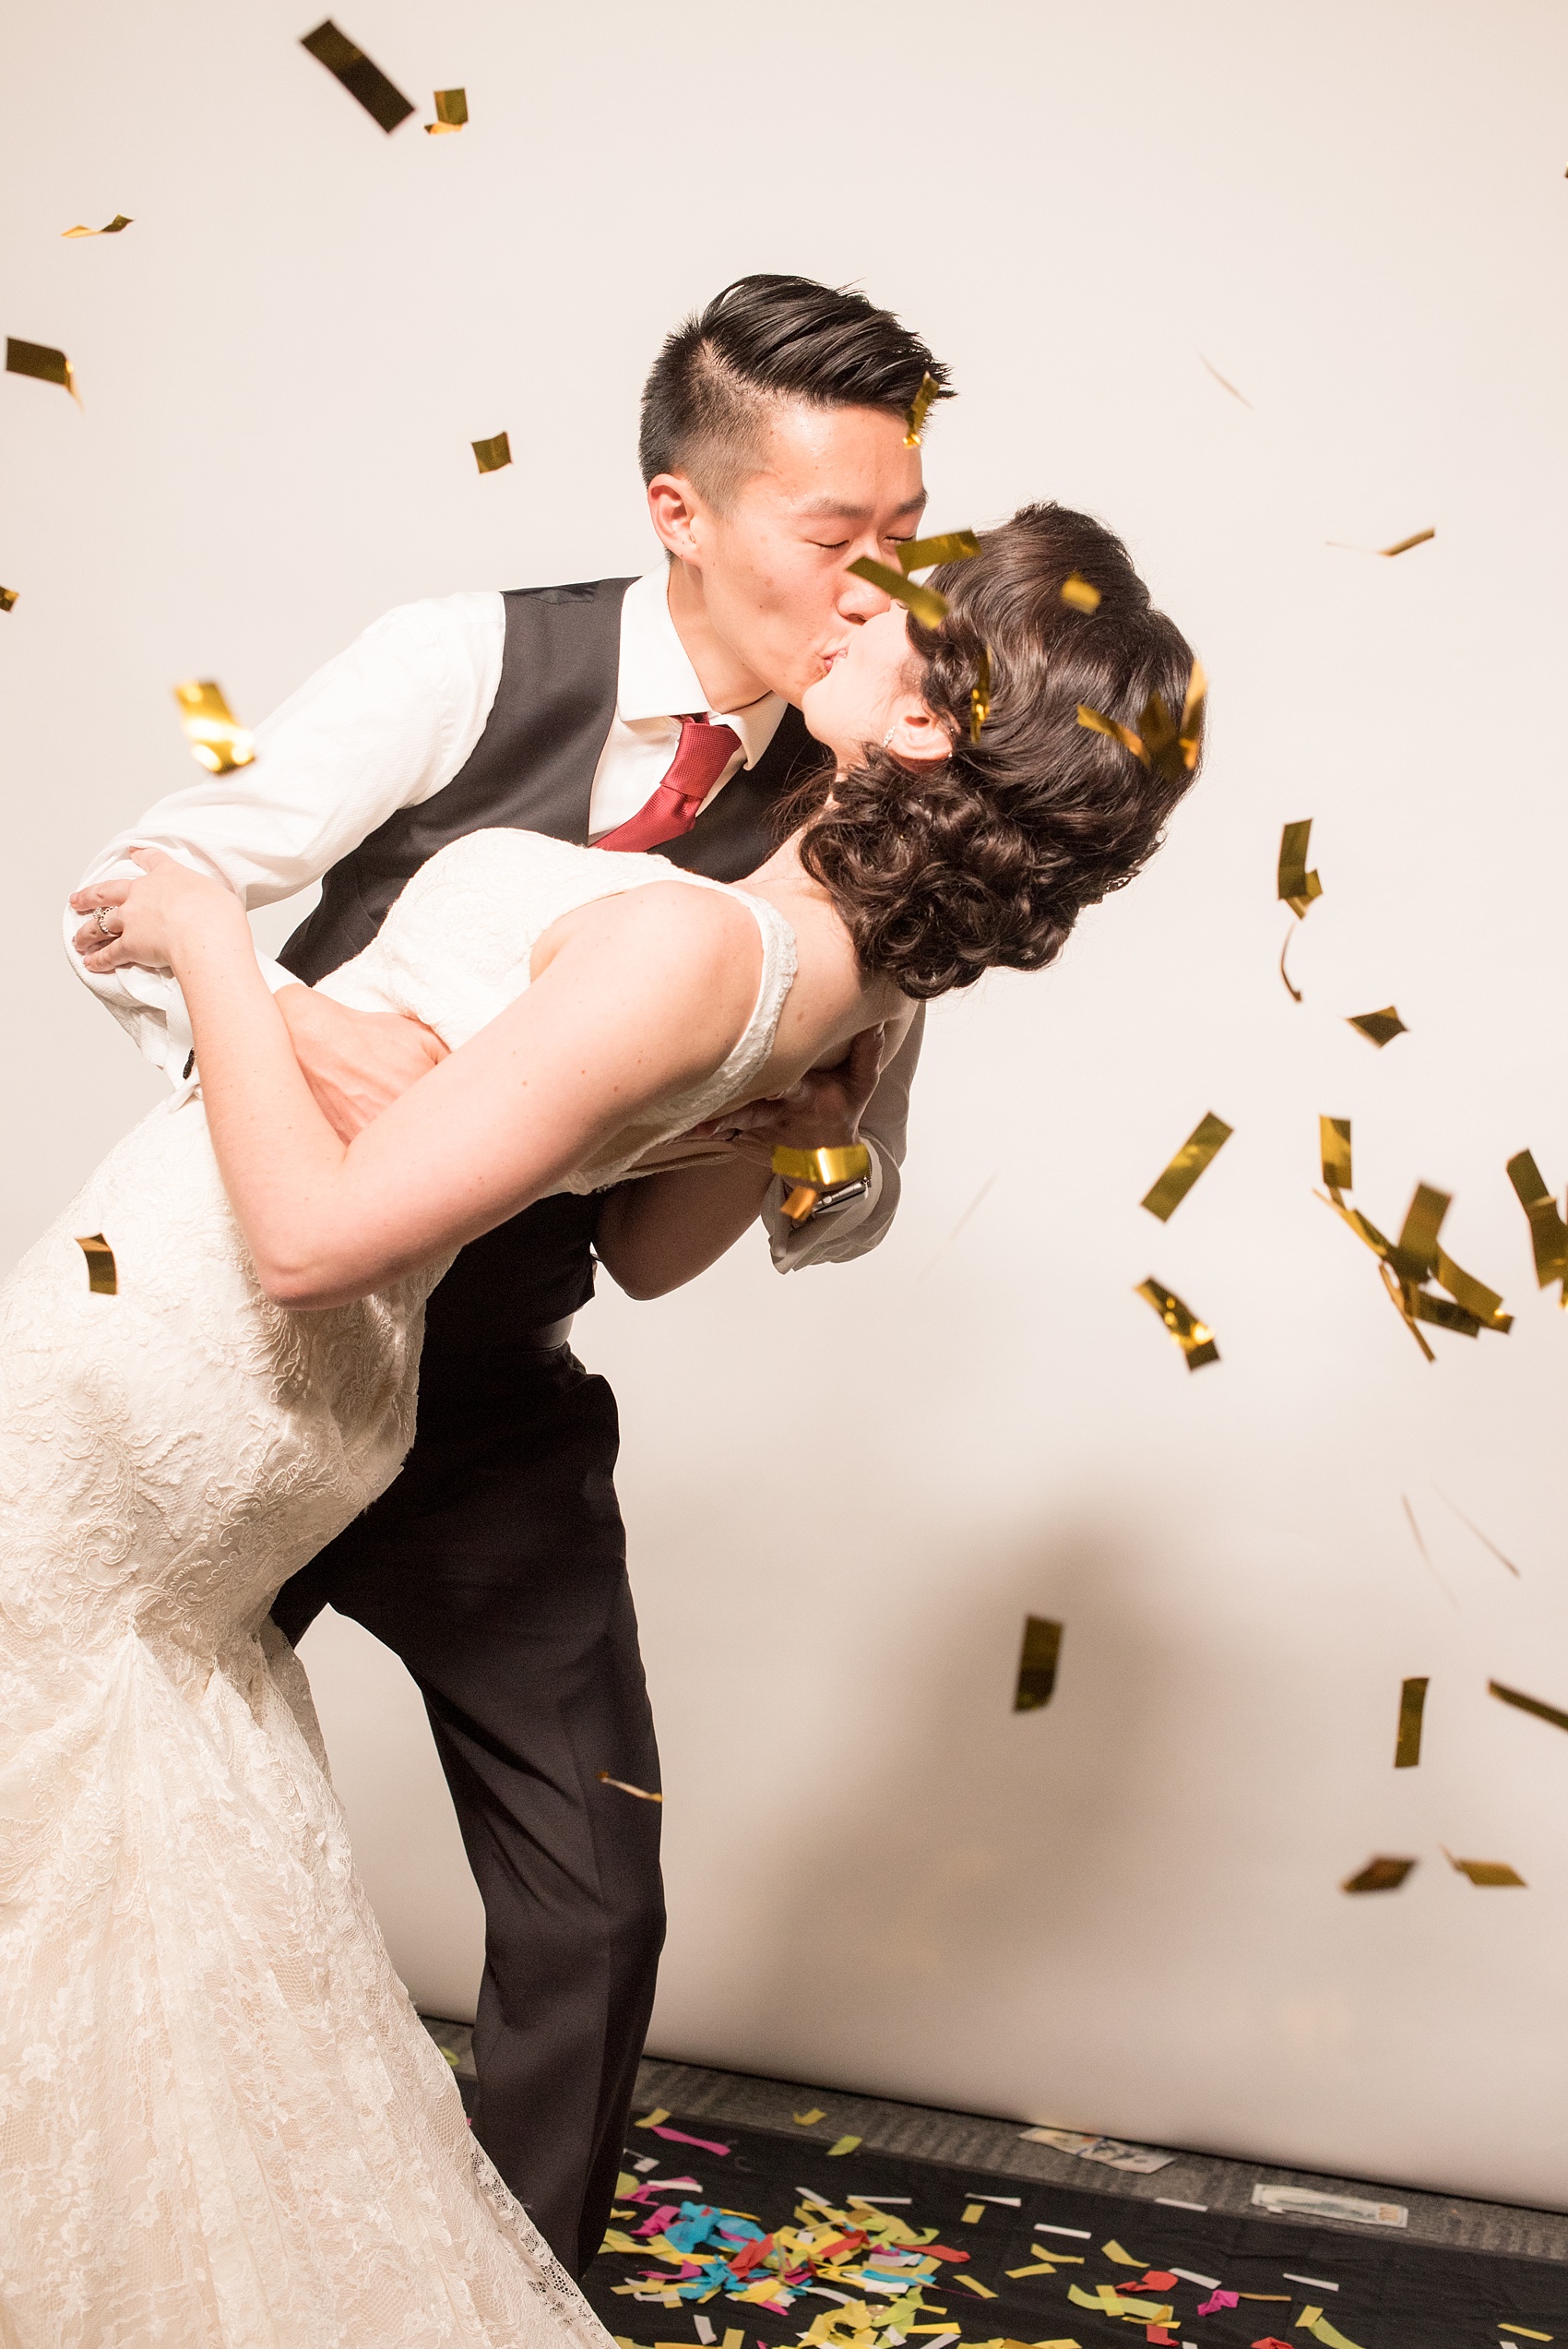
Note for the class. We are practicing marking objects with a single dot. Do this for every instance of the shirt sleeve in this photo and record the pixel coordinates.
(840, 1238)
(385, 725)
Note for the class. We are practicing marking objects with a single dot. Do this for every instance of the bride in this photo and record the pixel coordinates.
(220, 2120)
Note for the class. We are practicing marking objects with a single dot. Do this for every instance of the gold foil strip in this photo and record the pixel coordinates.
(847, 1163)
(1549, 1234)
(382, 100)
(980, 693)
(1038, 1660)
(1077, 592)
(1527, 1704)
(1489, 1874)
(110, 228)
(800, 1205)
(1408, 1743)
(103, 1279)
(491, 454)
(1484, 1305)
(928, 606)
(1403, 545)
(43, 362)
(1199, 1150)
(1334, 1149)
(621, 1787)
(1381, 1875)
(1168, 746)
(218, 741)
(1195, 1337)
(1416, 1257)
(1294, 993)
(451, 112)
(1298, 887)
(8, 598)
(1484, 1539)
(918, 410)
(1225, 382)
(953, 546)
(1379, 1028)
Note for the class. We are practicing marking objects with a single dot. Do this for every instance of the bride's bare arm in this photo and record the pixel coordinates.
(645, 998)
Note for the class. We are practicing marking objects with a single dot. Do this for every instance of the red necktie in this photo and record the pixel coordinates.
(703, 753)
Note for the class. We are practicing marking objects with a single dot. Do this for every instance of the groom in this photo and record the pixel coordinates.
(657, 714)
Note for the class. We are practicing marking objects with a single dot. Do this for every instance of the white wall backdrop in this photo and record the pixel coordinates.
(845, 1491)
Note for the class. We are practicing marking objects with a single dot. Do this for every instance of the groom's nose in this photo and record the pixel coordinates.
(859, 599)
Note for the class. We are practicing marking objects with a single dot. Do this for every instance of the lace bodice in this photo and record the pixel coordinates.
(455, 950)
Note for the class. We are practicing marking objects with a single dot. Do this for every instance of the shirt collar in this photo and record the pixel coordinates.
(657, 680)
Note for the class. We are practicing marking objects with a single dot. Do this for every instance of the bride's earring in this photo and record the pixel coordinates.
(888, 737)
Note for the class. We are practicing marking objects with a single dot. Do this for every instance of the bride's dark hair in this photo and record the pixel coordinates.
(940, 872)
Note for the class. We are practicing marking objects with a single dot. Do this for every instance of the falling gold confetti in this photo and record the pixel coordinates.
(1199, 1150)
(1225, 381)
(1195, 1337)
(110, 228)
(844, 2145)
(382, 100)
(1169, 746)
(809, 2120)
(101, 1277)
(643, 1795)
(218, 741)
(1379, 1027)
(1406, 1264)
(43, 362)
(953, 546)
(1036, 1663)
(8, 598)
(1378, 1876)
(918, 410)
(1528, 1704)
(800, 1204)
(980, 693)
(491, 454)
(451, 112)
(1408, 1744)
(1490, 1874)
(1403, 545)
(1419, 1538)
(928, 606)
(1076, 591)
(1334, 1149)
(1298, 887)
(1294, 993)
(1549, 1234)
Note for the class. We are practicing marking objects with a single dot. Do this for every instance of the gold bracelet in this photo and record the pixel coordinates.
(823, 1169)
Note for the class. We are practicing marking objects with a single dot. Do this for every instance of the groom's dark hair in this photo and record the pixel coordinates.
(763, 340)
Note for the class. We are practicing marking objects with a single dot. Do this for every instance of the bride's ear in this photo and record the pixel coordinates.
(916, 735)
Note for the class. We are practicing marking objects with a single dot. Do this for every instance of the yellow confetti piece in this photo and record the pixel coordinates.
(1378, 1876)
(928, 606)
(103, 1279)
(1330, 2335)
(1490, 1875)
(382, 99)
(1528, 1704)
(8, 599)
(983, 2290)
(451, 112)
(489, 456)
(952, 546)
(973, 2213)
(1199, 1150)
(43, 362)
(918, 410)
(844, 2145)
(110, 228)
(218, 741)
(1379, 1027)
(1108, 2301)
(980, 693)
(1403, 545)
(733, 2337)
(1298, 887)
(1549, 1234)
(1195, 1337)
(1077, 593)
(1038, 1660)
(1113, 2250)
(1308, 2318)
(809, 2120)
(1408, 1743)
(623, 1786)
(655, 2120)
(1525, 2331)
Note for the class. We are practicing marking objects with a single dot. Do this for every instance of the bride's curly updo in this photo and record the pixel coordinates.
(940, 872)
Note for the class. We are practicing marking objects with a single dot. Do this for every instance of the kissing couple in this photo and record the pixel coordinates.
(626, 886)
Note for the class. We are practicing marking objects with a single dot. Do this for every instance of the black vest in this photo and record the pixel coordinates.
(532, 770)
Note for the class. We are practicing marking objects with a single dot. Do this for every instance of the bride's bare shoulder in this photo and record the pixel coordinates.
(682, 932)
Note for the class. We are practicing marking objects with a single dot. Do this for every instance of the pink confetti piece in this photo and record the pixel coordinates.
(1218, 2300)
(660, 2220)
(679, 2137)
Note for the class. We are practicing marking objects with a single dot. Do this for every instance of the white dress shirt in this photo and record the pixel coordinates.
(387, 726)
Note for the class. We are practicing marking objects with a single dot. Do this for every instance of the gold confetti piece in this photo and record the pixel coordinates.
(1403, 545)
(928, 606)
(844, 2145)
(491, 454)
(1528, 1704)
(800, 1205)
(1378, 1876)
(382, 100)
(1420, 1545)
(980, 693)
(1169, 746)
(953, 546)
(918, 410)
(1492, 1875)
(218, 741)
(451, 112)
(1549, 1234)
(1298, 887)
(973, 2213)
(652, 2120)
(110, 228)
(102, 1278)
(1484, 1539)
(43, 362)
(1077, 592)
(1408, 1744)
(1038, 1660)
(809, 2120)
(1224, 380)
(1294, 993)
(621, 1787)
(1195, 1337)
(1334, 1149)
(1199, 1150)
(9, 599)
(1406, 1264)
(1379, 1027)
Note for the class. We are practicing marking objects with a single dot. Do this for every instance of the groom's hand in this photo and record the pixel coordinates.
(822, 1112)
(356, 1063)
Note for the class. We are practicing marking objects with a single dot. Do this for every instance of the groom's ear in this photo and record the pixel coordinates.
(675, 508)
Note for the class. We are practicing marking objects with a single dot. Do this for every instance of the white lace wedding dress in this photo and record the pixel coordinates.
(220, 2120)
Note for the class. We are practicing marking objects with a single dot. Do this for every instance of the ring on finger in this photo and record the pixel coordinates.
(103, 926)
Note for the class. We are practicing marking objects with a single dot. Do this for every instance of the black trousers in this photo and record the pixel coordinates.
(495, 1568)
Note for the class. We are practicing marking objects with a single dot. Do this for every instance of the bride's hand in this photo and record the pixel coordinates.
(142, 920)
